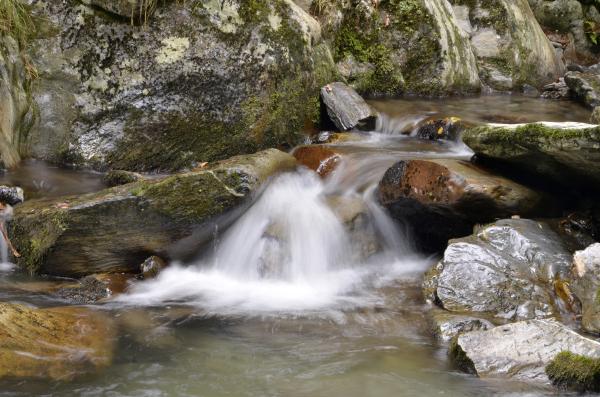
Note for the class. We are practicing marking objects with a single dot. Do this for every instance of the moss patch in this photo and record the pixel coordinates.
(576, 372)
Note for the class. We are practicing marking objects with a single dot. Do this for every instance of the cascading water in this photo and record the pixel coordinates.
(291, 251)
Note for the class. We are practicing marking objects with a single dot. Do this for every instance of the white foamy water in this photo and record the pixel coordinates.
(290, 252)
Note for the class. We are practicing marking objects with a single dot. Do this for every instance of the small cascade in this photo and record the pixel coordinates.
(292, 251)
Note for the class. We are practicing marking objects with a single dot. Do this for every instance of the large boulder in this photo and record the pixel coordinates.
(396, 47)
(520, 350)
(585, 86)
(443, 199)
(569, 17)
(197, 81)
(16, 114)
(512, 50)
(116, 229)
(507, 269)
(57, 344)
(564, 153)
(586, 286)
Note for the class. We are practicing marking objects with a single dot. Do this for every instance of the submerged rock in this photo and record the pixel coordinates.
(114, 230)
(443, 199)
(507, 269)
(520, 350)
(585, 86)
(345, 108)
(11, 195)
(448, 128)
(199, 81)
(58, 343)
(94, 288)
(586, 286)
(318, 158)
(564, 153)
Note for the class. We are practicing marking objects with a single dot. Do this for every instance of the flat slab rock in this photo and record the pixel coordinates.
(519, 350)
(345, 107)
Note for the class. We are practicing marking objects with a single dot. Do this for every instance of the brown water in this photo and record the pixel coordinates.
(379, 346)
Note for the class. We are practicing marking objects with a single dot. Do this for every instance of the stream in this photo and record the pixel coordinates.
(313, 291)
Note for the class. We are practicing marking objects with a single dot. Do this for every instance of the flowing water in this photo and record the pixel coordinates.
(313, 291)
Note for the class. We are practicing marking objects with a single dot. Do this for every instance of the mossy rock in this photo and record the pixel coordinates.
(564, 154)
(575, 372)
(199, 81)
(114, 230)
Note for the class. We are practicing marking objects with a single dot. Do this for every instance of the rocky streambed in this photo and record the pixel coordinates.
(383, 260)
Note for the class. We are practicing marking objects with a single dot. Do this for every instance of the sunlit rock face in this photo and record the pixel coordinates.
(194, 81)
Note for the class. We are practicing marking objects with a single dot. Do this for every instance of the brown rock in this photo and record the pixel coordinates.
(59, 343)
(320, 159)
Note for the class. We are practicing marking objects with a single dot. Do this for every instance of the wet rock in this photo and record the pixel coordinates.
(345, 108)
(585, 87)
(595, 118)
(448, 325)
(443, 199)
(507, 269)
(566, 154)
(94, 288)
(11, 195)
(120, 177)
(199, 81)
(318, 158)
(152, 267)
(520, 350)
(579, 229)
(556, 90)
(448, 128)
(586, 286)
(58, 343)
(114, 230)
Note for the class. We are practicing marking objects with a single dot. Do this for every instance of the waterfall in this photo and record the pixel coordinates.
(292, 251)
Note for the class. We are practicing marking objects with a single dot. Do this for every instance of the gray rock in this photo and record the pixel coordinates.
(585, 87)
(506, 269)
(556, 90)
(566, 154)
(16, 113)
(345, 107)
(448, 325)
(114, 230)
(199, 81)
(520, 350)
(586, 285)
(510, 46)
(11, 195)
(136, 10)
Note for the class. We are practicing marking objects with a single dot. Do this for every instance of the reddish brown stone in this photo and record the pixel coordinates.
(320, 159)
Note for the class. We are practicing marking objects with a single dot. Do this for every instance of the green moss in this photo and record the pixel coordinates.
(528, 133)
(575, 372)
(35, 233)
(459, 357)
